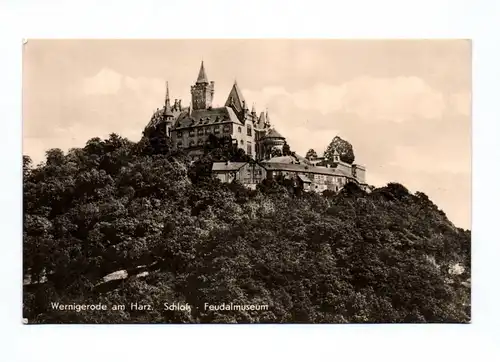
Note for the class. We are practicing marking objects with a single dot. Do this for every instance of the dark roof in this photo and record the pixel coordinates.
(203, 117)
(272, 133)
(159, 117)
(293, 167)
(168, 111)
(261, 121)
(227, 166)
(235, 98)
(304, 178)
(282, 159)
(202, 76)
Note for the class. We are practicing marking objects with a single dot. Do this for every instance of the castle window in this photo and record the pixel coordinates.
(227, 129)
(217, 129)
(249, 149)
(207, 130)
(179, 144)
(200, 131)
(179, 134)
(249, 130)
(200, 142)
(191, 143)
(239, 129)
(191, 133)
(241, 142)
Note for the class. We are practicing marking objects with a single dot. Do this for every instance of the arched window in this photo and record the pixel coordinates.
(239, 130)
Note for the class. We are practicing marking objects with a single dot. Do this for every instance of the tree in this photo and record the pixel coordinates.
(343, 147)
(311, 154)
(112, 209)
(276, 152)
(286, 150)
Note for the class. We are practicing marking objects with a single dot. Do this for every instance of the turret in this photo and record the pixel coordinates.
(202, 93)
(168, 109)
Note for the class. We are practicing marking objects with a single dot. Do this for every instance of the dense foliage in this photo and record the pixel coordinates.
(311, 154)
(115, 205)
(344, 149)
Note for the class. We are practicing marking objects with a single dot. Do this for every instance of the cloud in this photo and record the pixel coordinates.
(110, 82)
(432, 160)
(397, 99)
(107, 81)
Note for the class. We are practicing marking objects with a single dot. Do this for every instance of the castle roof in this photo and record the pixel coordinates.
(304, 179)
(294, 167)
(203, 117)
(272, 133)
(235, 98)
(227, 166)
(202, 76)
(283, 159)
(159, 117)
(262, 120)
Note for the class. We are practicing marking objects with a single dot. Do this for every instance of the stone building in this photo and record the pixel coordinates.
(310, 177)
(189, 127)
(250, 174)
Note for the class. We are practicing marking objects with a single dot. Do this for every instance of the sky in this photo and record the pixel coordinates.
(404, 105)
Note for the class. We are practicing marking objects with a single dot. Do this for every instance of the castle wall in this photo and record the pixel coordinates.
(360, 173)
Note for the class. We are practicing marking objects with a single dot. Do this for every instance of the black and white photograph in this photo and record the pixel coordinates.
(227, 181)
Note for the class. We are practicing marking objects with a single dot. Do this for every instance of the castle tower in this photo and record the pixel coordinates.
(202, 93)
(167, 109)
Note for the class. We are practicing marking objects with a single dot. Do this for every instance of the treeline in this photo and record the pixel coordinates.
(183, 237)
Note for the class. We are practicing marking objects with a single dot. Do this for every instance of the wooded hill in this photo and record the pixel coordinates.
(179, 236)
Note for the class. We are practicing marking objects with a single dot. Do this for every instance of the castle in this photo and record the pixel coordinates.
(189, 129)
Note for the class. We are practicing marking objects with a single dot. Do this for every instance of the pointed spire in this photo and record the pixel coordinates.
(235, 98)
(202, 76)
(168, 108)
(253, 109)
(167, 96)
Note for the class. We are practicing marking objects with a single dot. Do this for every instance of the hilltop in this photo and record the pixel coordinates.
(117, 222)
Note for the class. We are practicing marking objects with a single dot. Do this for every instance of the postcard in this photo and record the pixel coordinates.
(246, 181)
